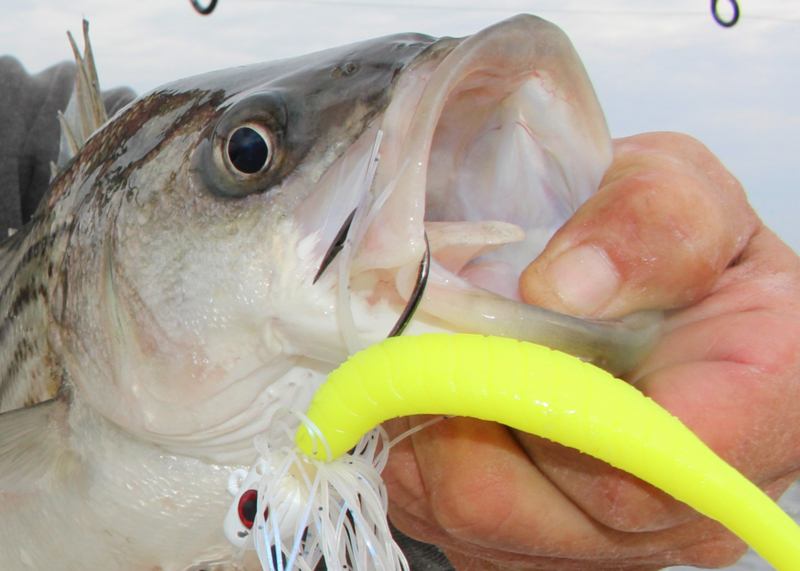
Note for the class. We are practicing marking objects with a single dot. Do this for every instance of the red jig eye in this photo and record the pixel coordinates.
(248, 503)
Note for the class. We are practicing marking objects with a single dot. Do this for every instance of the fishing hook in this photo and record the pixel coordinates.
(416, 295)
(336, 245)
(204, 11)
(419, 287)
(718, 18)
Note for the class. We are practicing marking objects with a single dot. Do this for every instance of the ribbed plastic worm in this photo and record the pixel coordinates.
(553, 395)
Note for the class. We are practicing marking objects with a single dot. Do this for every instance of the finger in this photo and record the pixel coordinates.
(622, 501)
(764, 278)
(724, 371)
(482, 489)
(747, 415)
(712, 549)
(408, 504)
(666, 222)
(728, 366)
(740, 410)
(610, 496)
(481, 496)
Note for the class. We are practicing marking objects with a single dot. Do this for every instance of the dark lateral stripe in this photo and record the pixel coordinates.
(23, 300)
(33, 253)
(22, 353)
(28, 290)
(27, 295)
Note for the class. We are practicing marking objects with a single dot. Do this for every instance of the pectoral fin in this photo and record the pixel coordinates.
(34, 448)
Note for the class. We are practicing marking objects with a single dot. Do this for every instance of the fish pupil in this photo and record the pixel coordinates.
(248, 150)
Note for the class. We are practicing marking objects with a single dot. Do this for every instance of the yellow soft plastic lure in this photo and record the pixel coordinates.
(553, 395)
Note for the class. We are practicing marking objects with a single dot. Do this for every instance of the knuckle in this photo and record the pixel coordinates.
(633, 509)
(609, 496)
(624, 503)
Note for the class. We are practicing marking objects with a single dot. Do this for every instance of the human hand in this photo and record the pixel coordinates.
(669, 228)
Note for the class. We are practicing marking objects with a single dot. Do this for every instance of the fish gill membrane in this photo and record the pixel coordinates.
(319, 500)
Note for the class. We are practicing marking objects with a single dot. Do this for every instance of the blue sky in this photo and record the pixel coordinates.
(655, 65)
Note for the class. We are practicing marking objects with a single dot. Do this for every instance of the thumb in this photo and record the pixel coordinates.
(667, 220)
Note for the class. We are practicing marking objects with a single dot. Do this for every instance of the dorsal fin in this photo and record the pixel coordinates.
(85, 112)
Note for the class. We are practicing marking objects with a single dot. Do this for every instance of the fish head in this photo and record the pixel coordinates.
(199, 290)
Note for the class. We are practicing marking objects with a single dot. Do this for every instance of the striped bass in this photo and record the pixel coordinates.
(210, 253)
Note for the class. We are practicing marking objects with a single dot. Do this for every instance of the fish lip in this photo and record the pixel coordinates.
(505, 51)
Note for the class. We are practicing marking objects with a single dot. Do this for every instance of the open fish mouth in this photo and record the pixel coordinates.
(489, 144)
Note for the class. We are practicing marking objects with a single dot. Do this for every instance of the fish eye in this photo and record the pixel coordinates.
(248, 150)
